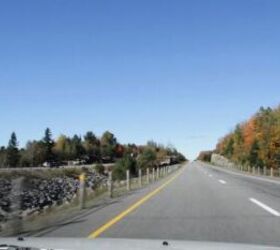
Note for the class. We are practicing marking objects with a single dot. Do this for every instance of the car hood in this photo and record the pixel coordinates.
(119, 244)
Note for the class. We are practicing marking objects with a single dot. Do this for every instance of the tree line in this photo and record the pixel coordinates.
(86, 149)
(255, 142)
(205, 155)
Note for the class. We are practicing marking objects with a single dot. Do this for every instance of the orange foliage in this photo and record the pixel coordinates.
(249, 133)
(256, 141)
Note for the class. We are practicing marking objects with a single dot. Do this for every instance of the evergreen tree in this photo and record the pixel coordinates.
(48, 145)
(13, 155)
(3, 157)
(147, 159)
(125, 163)
(253, 154)
(91, 146)
(229, 148)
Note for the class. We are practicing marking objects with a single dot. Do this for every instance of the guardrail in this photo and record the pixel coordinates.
(255, 170)
(262, 171)
(144, 178)
(115, 187)
(84, 198)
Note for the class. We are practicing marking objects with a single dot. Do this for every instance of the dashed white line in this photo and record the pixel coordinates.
(265, 207)
(222, 181)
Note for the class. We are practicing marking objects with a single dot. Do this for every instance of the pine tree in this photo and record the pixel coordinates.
(229, 148)
(48, 144)
(253, 154)
(13, 155)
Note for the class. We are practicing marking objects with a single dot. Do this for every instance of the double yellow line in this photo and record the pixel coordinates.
(120, 216)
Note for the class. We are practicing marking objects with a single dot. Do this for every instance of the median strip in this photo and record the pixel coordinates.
(265, 207)
(133, 207)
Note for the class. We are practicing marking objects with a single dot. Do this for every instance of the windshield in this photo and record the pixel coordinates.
(149, 120)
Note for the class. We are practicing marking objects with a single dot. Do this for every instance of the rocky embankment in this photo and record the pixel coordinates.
(39, 192)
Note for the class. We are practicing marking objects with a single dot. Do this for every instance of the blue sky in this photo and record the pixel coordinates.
(180, 72)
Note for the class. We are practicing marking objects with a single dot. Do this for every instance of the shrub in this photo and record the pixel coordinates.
(126, 163)
(100, 168)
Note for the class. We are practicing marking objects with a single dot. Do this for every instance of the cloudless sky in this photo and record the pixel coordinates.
(180, 72)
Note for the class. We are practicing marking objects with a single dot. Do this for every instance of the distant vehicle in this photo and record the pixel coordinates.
(169, 161)
(51, 164)
(76, 162)
(107, 159)
(166, 162)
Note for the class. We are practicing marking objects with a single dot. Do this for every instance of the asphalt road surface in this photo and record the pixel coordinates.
(199, 202)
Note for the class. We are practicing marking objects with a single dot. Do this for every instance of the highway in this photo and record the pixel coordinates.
(198, 203)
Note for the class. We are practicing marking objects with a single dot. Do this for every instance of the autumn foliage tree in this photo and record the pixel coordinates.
(205, 156)
(255, 142)
(86, 149)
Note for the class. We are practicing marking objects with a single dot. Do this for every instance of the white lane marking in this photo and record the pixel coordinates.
(265, 207)
(222, 181)
(210, 175)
